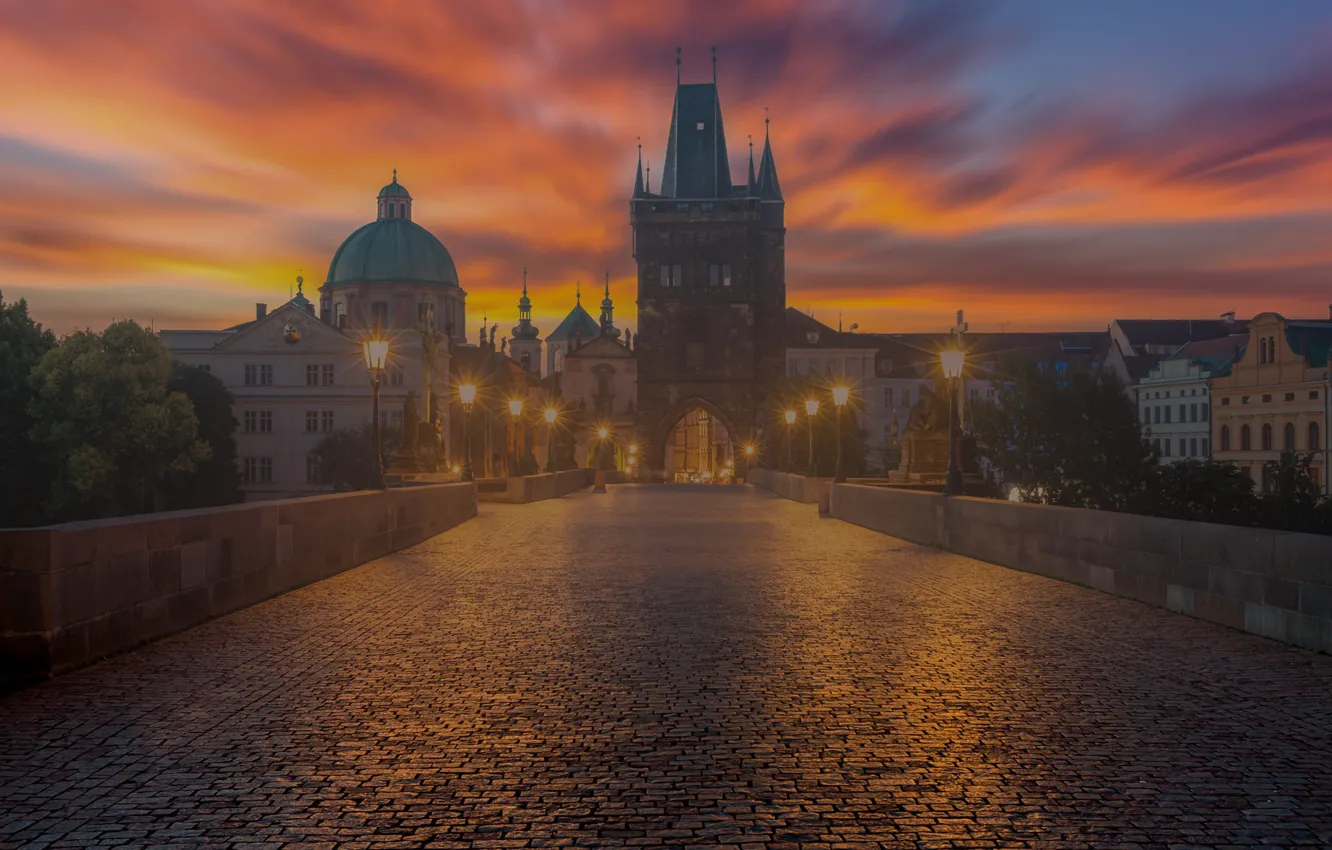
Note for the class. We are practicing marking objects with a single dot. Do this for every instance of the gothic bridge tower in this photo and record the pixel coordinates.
(711, 292)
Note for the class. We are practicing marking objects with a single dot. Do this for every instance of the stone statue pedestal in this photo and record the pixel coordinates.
(925, 459)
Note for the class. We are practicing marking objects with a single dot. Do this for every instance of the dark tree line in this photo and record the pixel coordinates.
(1072, 439)
(104, 424)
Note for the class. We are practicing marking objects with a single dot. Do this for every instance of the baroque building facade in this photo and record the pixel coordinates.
(297, 377)
(711, 270)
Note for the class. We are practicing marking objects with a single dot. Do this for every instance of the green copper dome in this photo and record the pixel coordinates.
(392, 250)
(394, 190)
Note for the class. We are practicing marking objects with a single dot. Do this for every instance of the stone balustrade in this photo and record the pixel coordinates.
(520, 490)
(76, 592)
(798, 488)
(1271, 583)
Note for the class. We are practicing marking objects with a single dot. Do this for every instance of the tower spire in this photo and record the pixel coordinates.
(578, 292)
(769, 189)
(714, 64)
(608, 312)
(751, 188)
(677, 64)
(524, 280)
(649, 176)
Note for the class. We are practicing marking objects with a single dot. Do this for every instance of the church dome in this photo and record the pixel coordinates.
(393, 248)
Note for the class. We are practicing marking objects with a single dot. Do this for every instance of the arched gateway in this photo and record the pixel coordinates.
(697, 447)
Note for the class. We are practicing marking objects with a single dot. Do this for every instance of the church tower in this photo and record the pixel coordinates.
(711, 292)
(525, 349)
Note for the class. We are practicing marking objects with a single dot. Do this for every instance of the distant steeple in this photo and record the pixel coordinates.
(524, 330)
(608, 313)
(769, 189)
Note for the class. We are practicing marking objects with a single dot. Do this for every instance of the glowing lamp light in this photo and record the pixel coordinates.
(840, 395)
(550, 414)
(456, 469)
(467, 393)
(376, 353)
(633, 448)
(790, 417)
(516, 408)
(603, 432)
(951, 359)
(749, 450)
(812, 406)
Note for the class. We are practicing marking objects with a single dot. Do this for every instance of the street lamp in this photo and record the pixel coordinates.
(840, 396)
(603, 434)
(515, 410)
(376, 356)
(467, 395)
(811, 410)
(551, 415)
(951, 359)
(751, 452)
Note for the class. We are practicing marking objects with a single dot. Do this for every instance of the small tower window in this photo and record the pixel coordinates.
(699, 126)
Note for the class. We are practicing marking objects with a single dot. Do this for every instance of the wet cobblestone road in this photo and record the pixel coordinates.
(675, 667)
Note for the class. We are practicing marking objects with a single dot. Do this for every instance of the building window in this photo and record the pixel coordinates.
(1193, 412)
(1165, 412)
(258, 470)
(311, 421)
(327, 374)
(379, 314)
(1204, 411)
(1314, 442)
(714, 275)
(1165, 444)
(1313, 394)
(265, 421)
(1225, 438)
(1288, 437)
(1193, 446)
(326, 421)
(1225, 401)
(1246, 439)
(726, 275)
(1244, 399)
(1156, 414)
(1267, 397)
(1266, 437)
(258, 374)
(312, 375)
(1290, 396)
(251, 419)
(207, 368)
(665, 276)
(340, 314)
(312, 471)
(1262, 350)
(1183, 413)
(1204, 447)
(1183, 448)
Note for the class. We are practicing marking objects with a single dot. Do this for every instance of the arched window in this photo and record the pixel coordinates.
(1267, 437)
(1315, 443)
(1246, 439)
(1271, 349)
(1288, 437)
(1225, 438)
(1262, 350)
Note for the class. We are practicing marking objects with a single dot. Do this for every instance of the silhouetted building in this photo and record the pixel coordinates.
(711, 292)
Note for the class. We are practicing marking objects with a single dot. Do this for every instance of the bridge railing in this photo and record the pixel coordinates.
(535, 488)
(1272, 583)
(75, 592)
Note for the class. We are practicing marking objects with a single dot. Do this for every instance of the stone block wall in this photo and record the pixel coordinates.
(1272, 583)
(798, 488)
(76, 592)
(520, 490)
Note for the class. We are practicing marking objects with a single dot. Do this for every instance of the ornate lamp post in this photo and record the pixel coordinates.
(751, 452)
(515, 411)
(467, 395)
(376, 356)
(603, 434)
(790, 416)
(951, 359)
(633, 458)
(811, 410)
(840, 396)
(551, 414)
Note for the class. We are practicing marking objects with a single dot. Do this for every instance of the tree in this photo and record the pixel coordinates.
(1067, 438)
(1201, 491)
(216, 480)
(1293, 501)
(26, 465)
(101, 406)
(347, 457)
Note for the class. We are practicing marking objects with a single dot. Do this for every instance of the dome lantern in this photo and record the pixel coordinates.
(395, 201)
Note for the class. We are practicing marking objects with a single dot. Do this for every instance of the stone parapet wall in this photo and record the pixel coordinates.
(1271, 583)
(520, 490)
(76, 592)
(798, 488)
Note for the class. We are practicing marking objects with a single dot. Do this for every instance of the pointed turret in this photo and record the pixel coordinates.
(525, 329)
(769, 189)
(696, 163)
(639, 191)
(751, 188)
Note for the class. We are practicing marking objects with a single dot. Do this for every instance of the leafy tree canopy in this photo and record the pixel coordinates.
(25, 464)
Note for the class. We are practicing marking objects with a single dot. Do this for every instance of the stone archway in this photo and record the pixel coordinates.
(695, 443)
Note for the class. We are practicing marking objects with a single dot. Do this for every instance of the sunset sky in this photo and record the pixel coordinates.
(1041, 163)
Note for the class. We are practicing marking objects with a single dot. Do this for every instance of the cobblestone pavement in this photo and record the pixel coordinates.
(671, 667)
